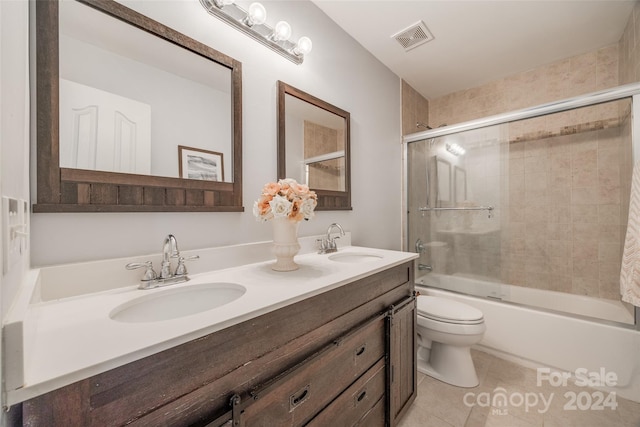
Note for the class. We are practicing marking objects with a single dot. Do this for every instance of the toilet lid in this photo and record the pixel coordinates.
(448, 310)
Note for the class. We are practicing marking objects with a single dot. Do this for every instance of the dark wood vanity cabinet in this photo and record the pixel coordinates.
(402, 359)
(344, 357)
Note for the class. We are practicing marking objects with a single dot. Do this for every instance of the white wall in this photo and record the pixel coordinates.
(14, 119)
(338, 70)
(14, 130)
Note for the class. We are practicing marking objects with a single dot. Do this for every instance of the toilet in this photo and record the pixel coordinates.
(446, 331)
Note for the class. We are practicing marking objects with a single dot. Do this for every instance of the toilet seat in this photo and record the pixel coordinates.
(448, 311)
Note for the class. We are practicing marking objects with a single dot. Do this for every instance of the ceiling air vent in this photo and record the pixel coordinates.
(413, 36)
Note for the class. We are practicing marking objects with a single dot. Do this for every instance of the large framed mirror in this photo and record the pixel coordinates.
(314, 146)
(132, 116)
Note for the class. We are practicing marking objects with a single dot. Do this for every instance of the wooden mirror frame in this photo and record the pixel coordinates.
(327, 199)
(76, 190)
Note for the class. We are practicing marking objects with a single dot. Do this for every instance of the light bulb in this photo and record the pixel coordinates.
(303, 47)
(282, 31)
(456, 149)
(222, 3)
(257, 15)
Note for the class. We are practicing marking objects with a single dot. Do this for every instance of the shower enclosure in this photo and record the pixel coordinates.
(528, 207)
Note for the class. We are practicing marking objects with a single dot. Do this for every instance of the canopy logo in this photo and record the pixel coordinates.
(500, 400)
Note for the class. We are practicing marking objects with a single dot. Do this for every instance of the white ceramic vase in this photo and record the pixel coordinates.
(285, 244)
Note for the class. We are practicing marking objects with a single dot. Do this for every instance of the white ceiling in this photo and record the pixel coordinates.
(478, 41)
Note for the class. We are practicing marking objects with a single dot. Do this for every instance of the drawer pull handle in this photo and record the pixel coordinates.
(299, 397)
(362, 395)
(361, 350)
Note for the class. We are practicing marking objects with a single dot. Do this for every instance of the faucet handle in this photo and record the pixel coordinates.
(181, 269)
(331, 243)
(322, 245)
(149, 274)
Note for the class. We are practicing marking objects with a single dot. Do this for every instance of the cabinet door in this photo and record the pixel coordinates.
(298, 395)
(402, 374)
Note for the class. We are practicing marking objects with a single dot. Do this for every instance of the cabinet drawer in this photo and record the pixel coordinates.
(299, 394)
(356, 402)
(376, 417)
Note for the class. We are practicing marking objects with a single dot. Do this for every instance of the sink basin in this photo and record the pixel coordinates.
(354, 257)
(175, 303)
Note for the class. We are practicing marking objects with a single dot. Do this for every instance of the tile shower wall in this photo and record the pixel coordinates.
(574, 76)
(563, 197)
(559, 185)
(415, 109)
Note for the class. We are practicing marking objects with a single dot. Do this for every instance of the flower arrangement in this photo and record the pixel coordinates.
(285, 199)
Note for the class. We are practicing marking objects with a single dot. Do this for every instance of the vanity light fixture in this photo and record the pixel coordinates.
(252, 22)
(456, 149)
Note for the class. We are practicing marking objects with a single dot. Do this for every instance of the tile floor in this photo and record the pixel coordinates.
(441, 405)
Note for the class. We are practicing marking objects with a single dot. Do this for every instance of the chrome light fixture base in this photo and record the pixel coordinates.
(236, 16)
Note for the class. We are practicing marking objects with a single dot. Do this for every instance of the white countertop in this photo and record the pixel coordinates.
(74, 338)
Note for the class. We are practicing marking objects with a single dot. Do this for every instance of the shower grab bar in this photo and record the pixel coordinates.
(474, 208)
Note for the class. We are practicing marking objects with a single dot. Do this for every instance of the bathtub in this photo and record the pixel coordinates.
(539, 338)
(581, 305)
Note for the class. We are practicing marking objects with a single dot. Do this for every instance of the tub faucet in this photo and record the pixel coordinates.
(424, 267)
(328, 244)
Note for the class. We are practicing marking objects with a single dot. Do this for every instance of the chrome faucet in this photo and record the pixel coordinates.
(328, 244)
(169, 250)
(425, 267)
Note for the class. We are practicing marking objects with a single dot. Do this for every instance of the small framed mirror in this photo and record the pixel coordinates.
(460, 184)
(443, 182)
(314, 146)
